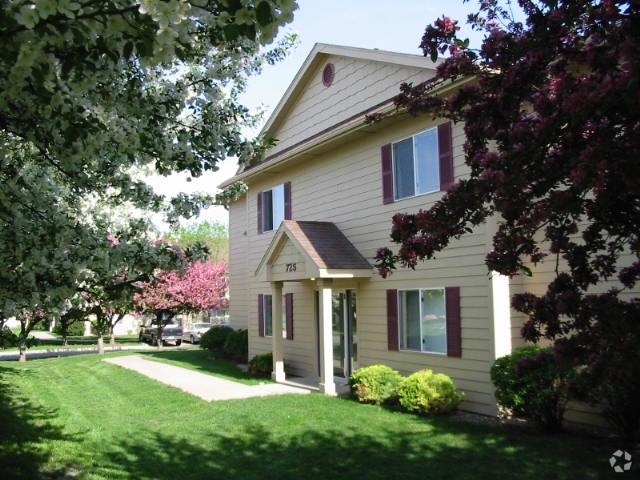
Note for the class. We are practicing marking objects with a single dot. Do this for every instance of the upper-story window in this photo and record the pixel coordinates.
(272, 208)
(274, 205)
(417, 165)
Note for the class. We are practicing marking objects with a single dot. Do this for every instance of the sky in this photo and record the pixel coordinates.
(395, 26)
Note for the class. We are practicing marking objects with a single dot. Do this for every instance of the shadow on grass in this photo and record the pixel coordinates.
(201, 360)
(449, 451)
(305, 445)
(24, 430)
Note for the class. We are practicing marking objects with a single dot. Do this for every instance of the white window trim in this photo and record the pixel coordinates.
(277, 215)
(265, 309)
(400, 320)
(415, 166)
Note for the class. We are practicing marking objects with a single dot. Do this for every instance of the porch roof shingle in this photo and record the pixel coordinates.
(326, 245)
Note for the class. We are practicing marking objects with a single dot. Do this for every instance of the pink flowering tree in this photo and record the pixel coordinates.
(202, 286)
(552, 126)
(121, 265)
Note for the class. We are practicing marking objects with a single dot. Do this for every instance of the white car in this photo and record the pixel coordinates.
(194, 333)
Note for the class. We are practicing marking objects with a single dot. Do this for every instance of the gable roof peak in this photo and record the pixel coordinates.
(321, 51)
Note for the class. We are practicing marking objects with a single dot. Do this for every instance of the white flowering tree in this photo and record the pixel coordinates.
(92, 91)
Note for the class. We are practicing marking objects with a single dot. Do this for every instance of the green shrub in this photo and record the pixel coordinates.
(7, 338)
(531, 384)
(374, 384)
(261, 365)
(425, 392)
(75, 329)
(214, 339)
(236, 346)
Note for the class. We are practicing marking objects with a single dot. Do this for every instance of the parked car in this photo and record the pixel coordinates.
(171, 333)
(194, 333)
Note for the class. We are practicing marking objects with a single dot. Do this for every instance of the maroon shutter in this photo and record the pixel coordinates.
(260, 213)
(387, 174)
(392, 320)
(454, 327)
(445, 150)
(260, 315)
(287, 201)
(288, 311)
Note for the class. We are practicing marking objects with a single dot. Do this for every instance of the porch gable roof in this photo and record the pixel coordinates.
(301, 250)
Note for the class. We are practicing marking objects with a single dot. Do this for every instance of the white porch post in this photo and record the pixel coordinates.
(501, 313)
(327, 385)
(277, 375)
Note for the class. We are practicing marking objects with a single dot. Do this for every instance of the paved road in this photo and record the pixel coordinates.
(80, 349)
(205, 386)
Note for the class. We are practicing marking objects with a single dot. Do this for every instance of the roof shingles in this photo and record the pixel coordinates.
(326, 245)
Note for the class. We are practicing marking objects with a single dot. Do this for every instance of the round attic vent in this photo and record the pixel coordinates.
(328, 74)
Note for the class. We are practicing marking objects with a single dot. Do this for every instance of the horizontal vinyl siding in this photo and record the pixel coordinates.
(344, 186)
(357, 84)
(471, 372)
(300, 354)
(238, 246)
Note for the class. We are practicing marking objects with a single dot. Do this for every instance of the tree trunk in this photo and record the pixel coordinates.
(112, 326)
(159, 337)
(100, 343)
(22, 339)
(65, 323)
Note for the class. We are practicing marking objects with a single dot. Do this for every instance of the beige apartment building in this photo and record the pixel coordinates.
(319, 205)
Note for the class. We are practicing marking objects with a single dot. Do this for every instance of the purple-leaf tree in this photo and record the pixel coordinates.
(552, 121)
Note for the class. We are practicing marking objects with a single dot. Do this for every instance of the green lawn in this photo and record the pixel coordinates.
(200, 360)
(79, 417)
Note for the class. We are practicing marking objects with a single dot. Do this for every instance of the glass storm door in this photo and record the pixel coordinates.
(345, 330)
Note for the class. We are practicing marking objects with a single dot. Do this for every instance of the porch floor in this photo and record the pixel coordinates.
(311, 383)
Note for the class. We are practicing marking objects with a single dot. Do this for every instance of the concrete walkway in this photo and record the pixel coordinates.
(205, 386)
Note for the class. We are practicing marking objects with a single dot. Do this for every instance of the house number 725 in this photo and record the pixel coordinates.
(290, 267)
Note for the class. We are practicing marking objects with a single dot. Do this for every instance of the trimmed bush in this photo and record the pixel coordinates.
(7, 338)
(531, 384)
(214, 339)
(236, 346)
(374, 384)
(425, 392)
(227, 343)
(74, 329)
(261, 365)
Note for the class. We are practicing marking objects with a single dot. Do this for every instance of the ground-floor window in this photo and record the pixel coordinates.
(422, 320)
(267, 309)
(425, 320)
(265, 315)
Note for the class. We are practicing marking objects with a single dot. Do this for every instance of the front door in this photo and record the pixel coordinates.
(345, 333)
